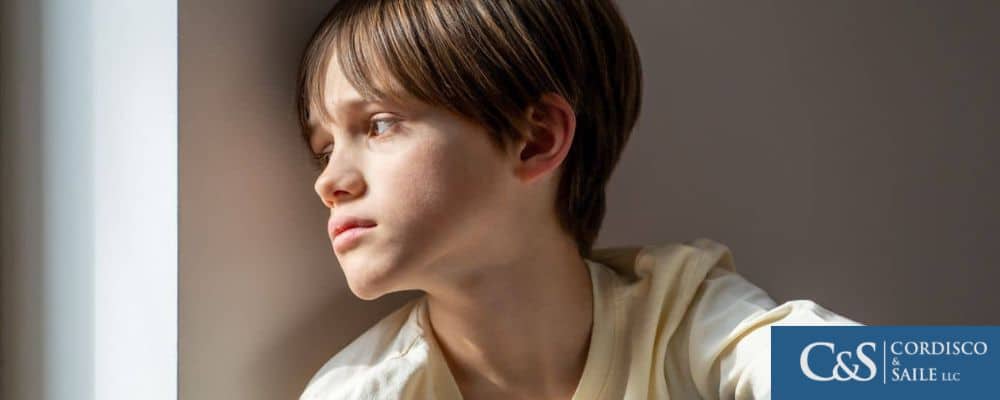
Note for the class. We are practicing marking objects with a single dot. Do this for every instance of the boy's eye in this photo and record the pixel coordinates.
(323, 156)
(381, 125)
(378, 127)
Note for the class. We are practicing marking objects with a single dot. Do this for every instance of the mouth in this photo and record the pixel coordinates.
(346, 231)
(348, 238)
(354, 224)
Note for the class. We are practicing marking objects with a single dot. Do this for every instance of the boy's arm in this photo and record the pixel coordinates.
(729, 335)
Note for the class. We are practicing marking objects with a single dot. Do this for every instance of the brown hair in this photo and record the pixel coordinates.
(490, 60)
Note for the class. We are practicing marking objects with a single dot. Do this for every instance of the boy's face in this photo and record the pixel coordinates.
(432, 182)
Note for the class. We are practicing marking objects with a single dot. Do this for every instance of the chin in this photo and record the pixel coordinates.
(367, 295)
(368, 281)
(366, 290)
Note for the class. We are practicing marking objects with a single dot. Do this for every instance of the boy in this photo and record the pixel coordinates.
(464, 147)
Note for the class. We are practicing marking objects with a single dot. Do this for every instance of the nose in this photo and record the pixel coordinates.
(338, 184)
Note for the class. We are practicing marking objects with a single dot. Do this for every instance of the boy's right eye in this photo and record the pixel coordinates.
(323, 157)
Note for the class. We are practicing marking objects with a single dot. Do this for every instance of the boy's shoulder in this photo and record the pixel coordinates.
(666, 272)
(707, 324)
(375, 362)
(696, 278)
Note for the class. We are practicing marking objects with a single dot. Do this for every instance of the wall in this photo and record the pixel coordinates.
(262, 300)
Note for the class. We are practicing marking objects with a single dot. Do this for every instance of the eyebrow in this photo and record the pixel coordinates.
(349, 104)
(326, 116)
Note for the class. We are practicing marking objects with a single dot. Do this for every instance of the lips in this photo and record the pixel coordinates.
(339, 224)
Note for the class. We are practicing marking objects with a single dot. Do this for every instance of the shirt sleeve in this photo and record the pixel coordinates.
(729, 342)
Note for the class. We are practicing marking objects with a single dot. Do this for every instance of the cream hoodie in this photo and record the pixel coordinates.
(671, 321)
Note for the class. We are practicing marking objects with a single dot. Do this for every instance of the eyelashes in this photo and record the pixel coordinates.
(321, 160)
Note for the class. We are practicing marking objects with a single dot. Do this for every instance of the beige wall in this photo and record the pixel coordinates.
(263, 302)
(844, 151)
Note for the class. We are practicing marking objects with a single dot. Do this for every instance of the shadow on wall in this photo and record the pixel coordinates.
(305, 346)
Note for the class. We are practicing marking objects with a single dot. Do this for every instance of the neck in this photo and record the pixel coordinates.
(519, 328)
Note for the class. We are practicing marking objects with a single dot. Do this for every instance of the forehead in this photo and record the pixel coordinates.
(333, 92)
(336, 95)
(334, 85)
(333, 95)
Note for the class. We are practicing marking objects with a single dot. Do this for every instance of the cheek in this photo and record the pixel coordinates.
(441, 191)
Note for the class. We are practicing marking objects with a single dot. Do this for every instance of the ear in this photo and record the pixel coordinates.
(546, 138)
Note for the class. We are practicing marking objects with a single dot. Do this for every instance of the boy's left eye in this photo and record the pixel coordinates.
(381, 123)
